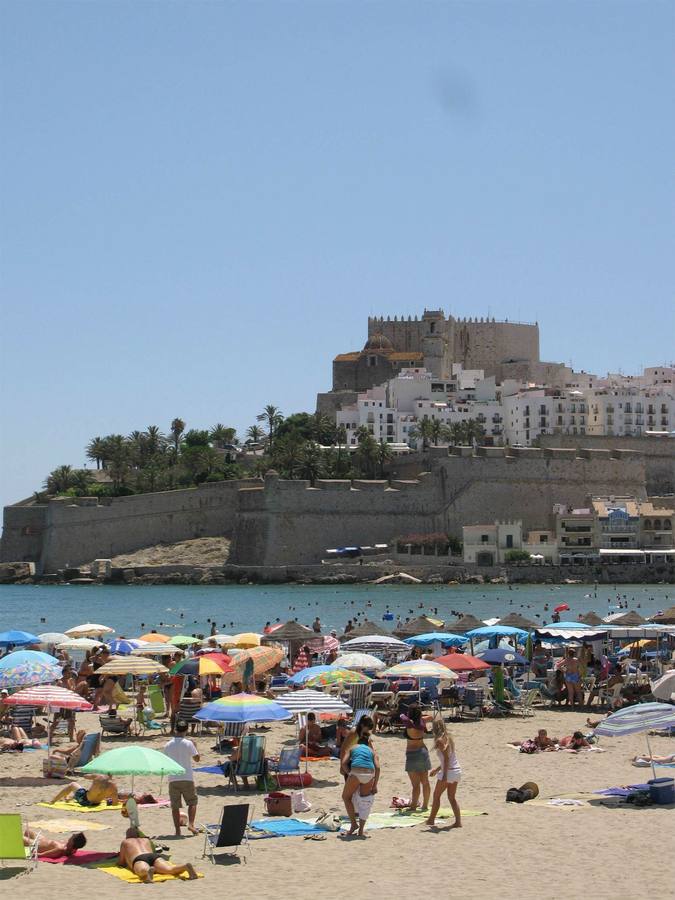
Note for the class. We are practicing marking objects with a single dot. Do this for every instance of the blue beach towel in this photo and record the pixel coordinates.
(212, 770)
(287, 827)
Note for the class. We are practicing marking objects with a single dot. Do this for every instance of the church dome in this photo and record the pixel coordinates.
(378, 342)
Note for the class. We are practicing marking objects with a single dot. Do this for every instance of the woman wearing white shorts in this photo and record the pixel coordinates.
(448, 775)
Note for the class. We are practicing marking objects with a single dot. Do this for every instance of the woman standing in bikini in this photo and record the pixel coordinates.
(417, 762)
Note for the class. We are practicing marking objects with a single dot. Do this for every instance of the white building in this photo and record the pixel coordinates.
(487, 545)
(535, 411)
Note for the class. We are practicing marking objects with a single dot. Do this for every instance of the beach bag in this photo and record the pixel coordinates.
(266, 782)
(299, 802)
(329, 821)
(278, 804)
(54, 767)
(528, 747)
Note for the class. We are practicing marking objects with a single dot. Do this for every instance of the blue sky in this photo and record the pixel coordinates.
(202, 202)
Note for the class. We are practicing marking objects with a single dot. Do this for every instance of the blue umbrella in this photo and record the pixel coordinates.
(488, 631)
(637, 718)
(24, 668)
(443, 637)
(123, 647)
(17, 638)
(500, 656)
(305, 674)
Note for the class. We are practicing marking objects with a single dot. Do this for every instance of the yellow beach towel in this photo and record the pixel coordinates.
(73, 806)
(125, 875)
(63, 826)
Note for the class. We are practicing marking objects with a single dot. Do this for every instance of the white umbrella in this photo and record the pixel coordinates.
(219, 639)
(359, 662)
(89, 629)
(51, 638)
(79, 644)
(158, 650)
(421, 668)
(378, 642)
(664, 688)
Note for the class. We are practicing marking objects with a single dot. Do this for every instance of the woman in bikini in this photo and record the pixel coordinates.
(417, 761)
(448, 775)
(360, 761)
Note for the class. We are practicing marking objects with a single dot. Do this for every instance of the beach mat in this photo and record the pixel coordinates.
(403, 819)
(131, 878)
(319, 758)
(622, 791)
(287, 827)
(79, 858)
(291, 827)
(65, 826)
(212, 770)
(72, 806)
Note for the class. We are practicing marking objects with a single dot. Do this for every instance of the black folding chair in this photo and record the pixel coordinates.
(232, 831)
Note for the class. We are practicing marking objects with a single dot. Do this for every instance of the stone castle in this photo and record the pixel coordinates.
(436, 342)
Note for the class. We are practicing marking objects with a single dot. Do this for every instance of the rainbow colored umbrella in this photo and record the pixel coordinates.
(206, 664)
(27, 667)
(337, 676)
(242, 708)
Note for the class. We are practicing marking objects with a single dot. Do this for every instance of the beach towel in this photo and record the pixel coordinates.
(73, 806)
(645, 764)
(622, 791)
(404, 819)
(212, 770)
(130, 878)
(79, 858)
(65, 826)
(286, 827)
(319, 758)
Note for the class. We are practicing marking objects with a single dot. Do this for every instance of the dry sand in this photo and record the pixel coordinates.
(513, 852)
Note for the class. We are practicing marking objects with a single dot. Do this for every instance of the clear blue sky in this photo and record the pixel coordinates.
(202, 202)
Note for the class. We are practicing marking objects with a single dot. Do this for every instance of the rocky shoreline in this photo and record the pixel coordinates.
(449, 575)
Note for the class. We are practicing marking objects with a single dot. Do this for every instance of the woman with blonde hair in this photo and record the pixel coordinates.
(448, 775)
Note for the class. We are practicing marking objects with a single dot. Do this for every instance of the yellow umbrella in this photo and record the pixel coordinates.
(246, 639)
(153, 638)
(263, 658)
(131, 665)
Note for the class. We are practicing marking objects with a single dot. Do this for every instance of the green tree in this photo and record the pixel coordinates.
(176, 431)
(424, 430)
(287, 454)
(59, 480)
(384, 455)
(155, 441)
(473, 431)
(221, 435)
(436, 431)
(366, 455)
(95, 451)
(119, 461)
(255, 434)
(273, 418)
(310, 461)
(196, 437)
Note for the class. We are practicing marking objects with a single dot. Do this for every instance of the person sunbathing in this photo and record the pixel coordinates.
(647, 760)
(543, 742)
(55, 849)
(18, 740)
(139, 856)
(101, 790)
(574, 742)
(310, 737)
(68, 749)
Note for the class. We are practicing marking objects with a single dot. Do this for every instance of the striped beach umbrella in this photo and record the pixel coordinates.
(131, 665)
(304, 675)
(359, 662)
(634, 719)
(243, 708)
(123, 647)
(27, 667)
(376, 643)
(309, 700)
(50, 697)
(337, 676)
(420, 668)
(263, 658)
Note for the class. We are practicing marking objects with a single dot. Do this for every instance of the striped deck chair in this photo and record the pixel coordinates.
(251, 762)
(22, 717)
(358, 695)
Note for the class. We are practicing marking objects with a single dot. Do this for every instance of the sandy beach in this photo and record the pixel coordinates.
(514, 851)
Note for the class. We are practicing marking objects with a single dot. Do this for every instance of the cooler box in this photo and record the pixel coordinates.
(662, 790)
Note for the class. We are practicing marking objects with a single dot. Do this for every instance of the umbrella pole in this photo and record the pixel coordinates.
(651, 758)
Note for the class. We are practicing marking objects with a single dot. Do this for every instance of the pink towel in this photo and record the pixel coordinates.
(79, 858)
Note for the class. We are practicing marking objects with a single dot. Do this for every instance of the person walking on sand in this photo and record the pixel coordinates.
(417, 762)
(182, 787)
(448, 775)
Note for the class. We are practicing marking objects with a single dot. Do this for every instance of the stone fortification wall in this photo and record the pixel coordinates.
(486, 344)
(75, 531)
(659, 454)
(288, 522)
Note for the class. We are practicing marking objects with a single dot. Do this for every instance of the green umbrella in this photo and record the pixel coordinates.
(183, 640)
(132, 761)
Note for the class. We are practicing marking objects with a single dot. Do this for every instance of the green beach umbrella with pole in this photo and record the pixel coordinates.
(132, 761)
(183, 640)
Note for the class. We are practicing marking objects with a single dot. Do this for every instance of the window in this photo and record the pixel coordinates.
(509, 541)
(432, 328)
(484, 538)
(372, 360)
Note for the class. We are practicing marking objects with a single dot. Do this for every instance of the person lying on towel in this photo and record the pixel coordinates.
(139, 856)
(54, 849)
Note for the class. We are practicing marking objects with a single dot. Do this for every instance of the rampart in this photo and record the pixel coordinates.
(71, 531)
(289, 522)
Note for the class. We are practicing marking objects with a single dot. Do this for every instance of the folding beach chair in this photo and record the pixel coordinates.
(114, 725)
(156, 700)
(526, 701)
(358, 695)
(57, 766)
(279, 684)
(251, 762)
(228, 732)
(22, 717)
(144, 721)
(11, 842)
(231, 832)
(287, 763)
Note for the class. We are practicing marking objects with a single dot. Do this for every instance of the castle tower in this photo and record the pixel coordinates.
(436, 345)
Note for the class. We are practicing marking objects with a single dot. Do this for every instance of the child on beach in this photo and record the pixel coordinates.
(363, 804)
(448, 775)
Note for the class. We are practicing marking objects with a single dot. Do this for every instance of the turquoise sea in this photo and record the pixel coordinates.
(133, 610)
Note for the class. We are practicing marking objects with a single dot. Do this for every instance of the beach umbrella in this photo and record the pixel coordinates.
(665, 618)
(153, 637)
(463, 624)
(51, 697)
(376, 643)
(462, 662)
(561, 607)
(359, 661)
(52, 638)
(420, 668)
(79, 644)
(443, 637)
(664, 687)
(220, 639)
(263, 658)
(365, 629)
(183, 640)
(590, 618)
(205, 664)
(24, 668)
(502, 657)
(420, 625)
(337, 676)
(302, 661)
(491, 631)
(308, 700)
(122, 646)
(131, 665)
(132, 760)
(627, 619)
(158, 649)
(635, 719)
(18, 638)
(303, 675)
(517, 621)
(247, 639)
(324, 644)
(243, 708)
(89, 629)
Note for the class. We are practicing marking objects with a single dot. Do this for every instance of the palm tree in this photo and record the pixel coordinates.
(423, 429)
(436, 431)
(221, 435)
(138, 449)
(255, 433)
(273, 417)
(154, 440)
(473, 431)
(118, 453)
(341, 441)
(94, 451)
(60, 480)
(81, 481)
(322, 428)
(384, 455)
(176, 430)
(453, 433)
(311, 461)
(287, 454)
(366, 454)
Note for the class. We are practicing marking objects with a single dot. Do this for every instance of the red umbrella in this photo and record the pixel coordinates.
(462, 662)
(560, 607)
(50, 696)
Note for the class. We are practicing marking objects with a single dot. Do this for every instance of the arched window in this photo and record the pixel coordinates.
(667, 525)
(648, 524)
(657, 524)
(432, 328)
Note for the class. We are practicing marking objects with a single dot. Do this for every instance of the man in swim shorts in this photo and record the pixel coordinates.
(55, 849)
(101, 790)
(570, 667)
(139, 856)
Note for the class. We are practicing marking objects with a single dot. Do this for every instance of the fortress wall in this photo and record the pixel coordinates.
(484, 345)
(403, 333)
(659, 454)
(288, 523)
(79, 530)
(22, 533)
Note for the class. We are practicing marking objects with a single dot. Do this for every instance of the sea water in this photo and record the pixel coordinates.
(133, 610)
